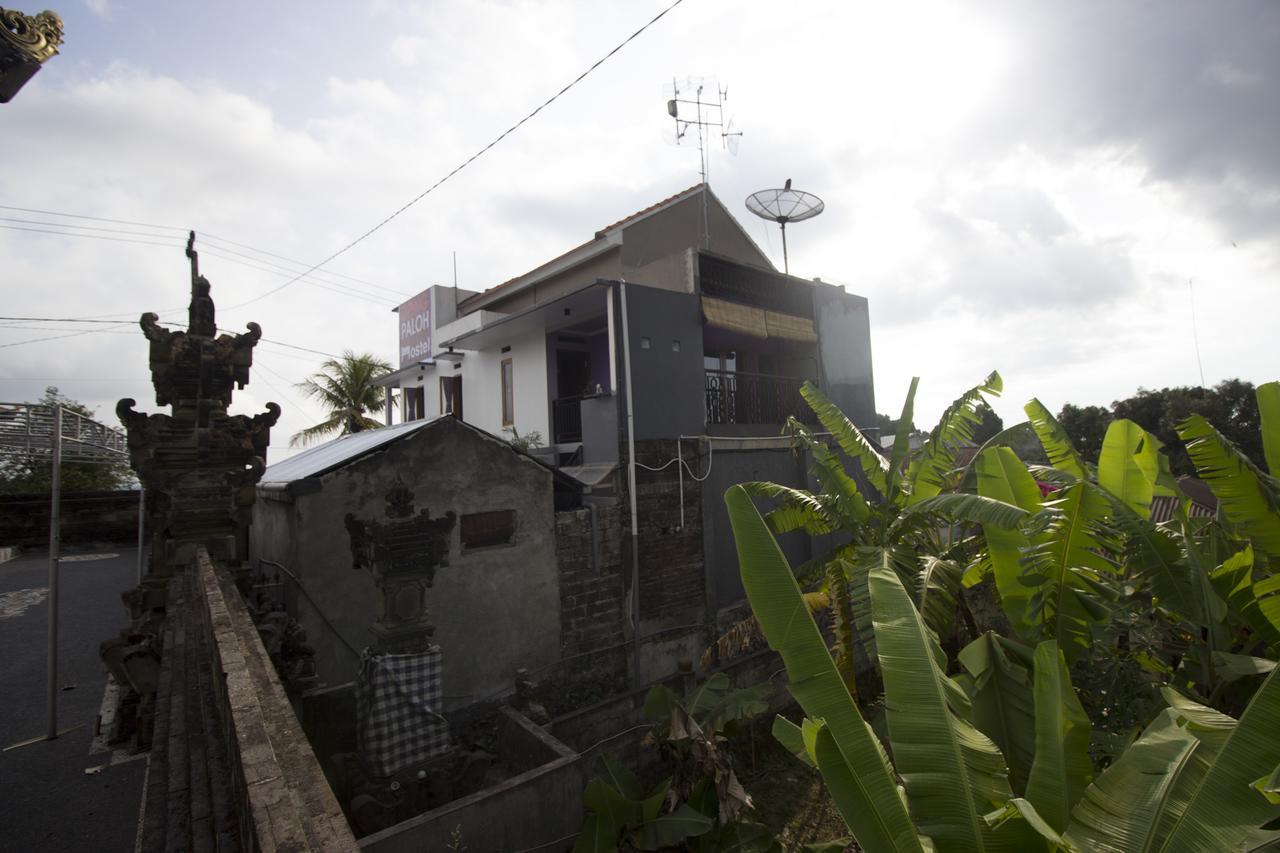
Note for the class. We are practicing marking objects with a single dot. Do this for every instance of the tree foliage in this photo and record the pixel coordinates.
(344, 387)
(22, 475)
(1230, 406)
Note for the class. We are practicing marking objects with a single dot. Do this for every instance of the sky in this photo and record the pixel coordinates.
(1084, 196)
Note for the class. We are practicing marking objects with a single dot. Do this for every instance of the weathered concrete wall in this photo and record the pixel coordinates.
(844, 342)
(275, 772)
(495, 609)
(230, 767)
(667, 381)
(536, 807)
(740, 462)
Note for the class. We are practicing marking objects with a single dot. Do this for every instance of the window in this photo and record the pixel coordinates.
(508, 393)
(486, 529)
(414, 404)
(451, 396)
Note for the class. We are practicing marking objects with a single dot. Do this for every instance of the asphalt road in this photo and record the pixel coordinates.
(47, 800)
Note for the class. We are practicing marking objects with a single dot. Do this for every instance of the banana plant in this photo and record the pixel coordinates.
(1215, 603)
(897, 511)
(1197, 780)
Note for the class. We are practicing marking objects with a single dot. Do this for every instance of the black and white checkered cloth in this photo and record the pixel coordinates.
(398, 702)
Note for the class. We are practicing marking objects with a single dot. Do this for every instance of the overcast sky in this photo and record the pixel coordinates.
(1036, 188)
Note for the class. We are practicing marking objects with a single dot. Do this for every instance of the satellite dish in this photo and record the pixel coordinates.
(783, 206)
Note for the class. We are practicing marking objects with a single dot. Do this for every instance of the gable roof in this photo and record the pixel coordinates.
(346, 449)
(334, 454)
(605, 239)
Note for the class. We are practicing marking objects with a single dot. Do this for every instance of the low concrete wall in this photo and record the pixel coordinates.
(86, 517)
(285, 802)
(538, 807)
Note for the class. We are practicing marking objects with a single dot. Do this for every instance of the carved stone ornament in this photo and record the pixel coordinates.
(26, 41)
(36, 35)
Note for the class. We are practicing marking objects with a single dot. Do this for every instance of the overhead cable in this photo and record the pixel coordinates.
(420, 196)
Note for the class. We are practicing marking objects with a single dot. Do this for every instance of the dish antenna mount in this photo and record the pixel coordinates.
(783, 206)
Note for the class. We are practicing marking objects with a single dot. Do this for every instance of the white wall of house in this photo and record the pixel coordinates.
(482, 386)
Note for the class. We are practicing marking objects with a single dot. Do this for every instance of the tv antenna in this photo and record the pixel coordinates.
(692, 108)
(783, 206)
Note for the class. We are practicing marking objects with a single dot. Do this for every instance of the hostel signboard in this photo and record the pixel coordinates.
(415, 329)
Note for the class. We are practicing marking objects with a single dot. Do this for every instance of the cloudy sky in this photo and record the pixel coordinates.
(1042, 189)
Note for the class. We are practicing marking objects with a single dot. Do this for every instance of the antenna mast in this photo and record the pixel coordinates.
(705, 116)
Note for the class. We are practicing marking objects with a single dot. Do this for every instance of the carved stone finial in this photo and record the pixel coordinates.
(38, 36)
(200, 319)
(26, 41)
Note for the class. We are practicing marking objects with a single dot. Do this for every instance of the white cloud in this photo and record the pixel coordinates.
(998, 197)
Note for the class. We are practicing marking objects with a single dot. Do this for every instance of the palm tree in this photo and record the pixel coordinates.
(344, 386)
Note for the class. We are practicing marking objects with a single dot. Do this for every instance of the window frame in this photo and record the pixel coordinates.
(507, 391)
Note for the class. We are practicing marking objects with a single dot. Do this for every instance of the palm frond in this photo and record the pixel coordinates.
(931, 468)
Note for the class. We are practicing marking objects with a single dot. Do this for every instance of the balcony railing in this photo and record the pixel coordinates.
(566, 420)
(754, 398)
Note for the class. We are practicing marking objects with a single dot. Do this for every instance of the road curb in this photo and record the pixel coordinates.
(8, 552)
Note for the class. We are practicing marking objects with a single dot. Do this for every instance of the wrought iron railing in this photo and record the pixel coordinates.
(753, 398)
(566, 420)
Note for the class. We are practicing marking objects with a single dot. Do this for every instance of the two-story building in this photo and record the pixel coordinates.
(657, 362)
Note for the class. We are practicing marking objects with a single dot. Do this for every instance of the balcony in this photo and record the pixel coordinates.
(733, 397)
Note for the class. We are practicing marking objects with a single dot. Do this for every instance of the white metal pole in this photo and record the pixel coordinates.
(54, 545)
(142, 523)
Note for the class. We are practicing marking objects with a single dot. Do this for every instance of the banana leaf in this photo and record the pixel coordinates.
(1053, 438)
(1233, 580)
(797, 510)
(1127, 466)
(1003, 477)
(929, 470)
(1220, 813)
(901, 443)
(1062, 769)
(1246, 496)
(1066, 566)
(1154, 555)
(1002, 699)
(848, 436)
(953, 773)
(668, 829)
(1268, 395)
(878, 816)
(1120, 812)
(937, 587)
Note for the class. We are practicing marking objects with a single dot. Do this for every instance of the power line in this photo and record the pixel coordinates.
(123, 236)
(466, 162)
(90, 236)
(130, 323)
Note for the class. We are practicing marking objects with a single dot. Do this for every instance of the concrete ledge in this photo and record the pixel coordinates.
(285, 796)
(9, 552)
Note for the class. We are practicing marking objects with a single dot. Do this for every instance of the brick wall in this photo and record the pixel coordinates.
(672, 568)
(230, 767)
(592, 587)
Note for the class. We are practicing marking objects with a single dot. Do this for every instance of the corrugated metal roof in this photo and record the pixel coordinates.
(333, 454)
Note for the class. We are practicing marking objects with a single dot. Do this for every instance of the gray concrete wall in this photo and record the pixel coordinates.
(495, 609)
(600, 429)
(668, 384)
(844, 348)
(729, 467)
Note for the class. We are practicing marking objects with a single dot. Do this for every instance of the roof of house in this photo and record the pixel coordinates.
(342, 451)
(334, 454)
(600, 235)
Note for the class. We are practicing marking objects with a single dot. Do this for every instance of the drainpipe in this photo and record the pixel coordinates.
(631, 490)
